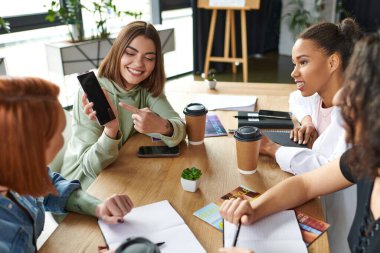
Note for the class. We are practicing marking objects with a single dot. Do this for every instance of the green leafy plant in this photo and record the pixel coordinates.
(298, 18)
(4, 25)
(68, 15)
(71, 14)
(211, 75)
(103, 10)
(340, 11)
(191, 173)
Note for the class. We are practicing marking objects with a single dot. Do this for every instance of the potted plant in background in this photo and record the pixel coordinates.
(69, 15)
(79, 55)
(297, 15)
(190, 179)
(105, 10)
(210, 79)
(4, 25)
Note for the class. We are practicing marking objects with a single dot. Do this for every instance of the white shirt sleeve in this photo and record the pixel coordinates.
(302, 106)
(329, 145)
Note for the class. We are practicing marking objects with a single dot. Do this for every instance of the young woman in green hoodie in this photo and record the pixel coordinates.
(132, 76)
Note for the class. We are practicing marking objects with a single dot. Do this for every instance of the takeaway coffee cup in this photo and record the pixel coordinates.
(195, 115)
(247, 148)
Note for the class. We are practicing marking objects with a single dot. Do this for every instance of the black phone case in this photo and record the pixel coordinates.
(274, 114)
(91, 87)
(158, 153)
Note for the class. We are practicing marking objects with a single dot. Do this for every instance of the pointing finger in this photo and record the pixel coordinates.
(129, 108)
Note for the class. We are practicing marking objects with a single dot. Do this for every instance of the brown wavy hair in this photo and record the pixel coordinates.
(28, 120)
(110, 66)
(361, 106)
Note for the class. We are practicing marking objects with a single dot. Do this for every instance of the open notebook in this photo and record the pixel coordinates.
(158, 222)
(277, 233)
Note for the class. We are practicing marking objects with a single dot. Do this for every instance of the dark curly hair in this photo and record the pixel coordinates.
(361, 106)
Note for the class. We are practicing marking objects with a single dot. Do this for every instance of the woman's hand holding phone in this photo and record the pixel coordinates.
(147, 121)
(111, 128)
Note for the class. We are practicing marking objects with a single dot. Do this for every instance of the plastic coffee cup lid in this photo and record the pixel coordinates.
(247, 133)
(195, 109)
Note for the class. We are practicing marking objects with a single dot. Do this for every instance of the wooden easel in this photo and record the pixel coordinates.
(230, 35)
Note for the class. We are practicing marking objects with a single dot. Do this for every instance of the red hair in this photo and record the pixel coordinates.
(28, 119)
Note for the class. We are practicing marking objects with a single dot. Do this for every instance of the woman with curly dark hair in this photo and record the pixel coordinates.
(360, 103)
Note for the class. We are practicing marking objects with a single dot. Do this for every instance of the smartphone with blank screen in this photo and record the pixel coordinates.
(274, 114)
(95, 94)
(158, 151)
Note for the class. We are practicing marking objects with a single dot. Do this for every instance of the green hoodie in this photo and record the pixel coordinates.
(90, 150)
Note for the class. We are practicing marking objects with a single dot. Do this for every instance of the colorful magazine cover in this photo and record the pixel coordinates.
(210, 213)
(311, 228)
(214, 127)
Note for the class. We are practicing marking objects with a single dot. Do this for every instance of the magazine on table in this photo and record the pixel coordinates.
(311, 228)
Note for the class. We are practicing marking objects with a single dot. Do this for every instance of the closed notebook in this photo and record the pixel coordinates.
(263, 122)
(282, 137)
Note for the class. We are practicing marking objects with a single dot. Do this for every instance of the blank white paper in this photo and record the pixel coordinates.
(278, 232)
(158, 222)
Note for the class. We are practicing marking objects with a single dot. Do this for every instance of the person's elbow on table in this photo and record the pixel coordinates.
(268, 147)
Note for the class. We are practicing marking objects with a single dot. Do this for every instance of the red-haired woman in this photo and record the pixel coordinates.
(31, 125)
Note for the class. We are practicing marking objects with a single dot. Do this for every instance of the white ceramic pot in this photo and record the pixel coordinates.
(190, 185)
(211, 84)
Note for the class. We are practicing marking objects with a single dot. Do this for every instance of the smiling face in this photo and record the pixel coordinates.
(138, 61)
(311, 67)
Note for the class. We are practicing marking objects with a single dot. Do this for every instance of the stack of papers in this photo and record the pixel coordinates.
(227, 102)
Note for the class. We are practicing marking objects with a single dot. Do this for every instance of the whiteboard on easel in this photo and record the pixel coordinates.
(227, 3)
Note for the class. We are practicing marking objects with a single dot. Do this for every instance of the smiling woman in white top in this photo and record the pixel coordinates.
(320, 56)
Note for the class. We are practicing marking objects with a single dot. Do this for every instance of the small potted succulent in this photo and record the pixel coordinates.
(210, 79)
(190, 179)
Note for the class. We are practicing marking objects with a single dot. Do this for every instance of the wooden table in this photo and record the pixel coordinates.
(155, 179)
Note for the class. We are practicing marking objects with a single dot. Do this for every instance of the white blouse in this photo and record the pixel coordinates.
(338, 207)
(328, 146)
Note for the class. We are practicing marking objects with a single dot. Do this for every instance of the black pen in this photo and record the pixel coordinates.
(237, 235)
(160, 243)
(260, 116)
